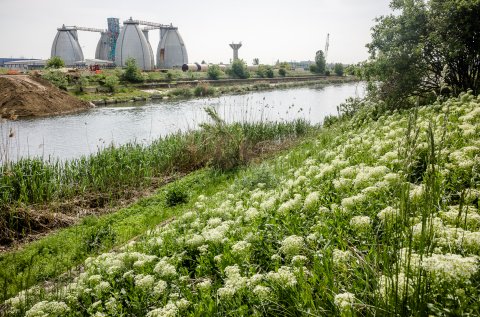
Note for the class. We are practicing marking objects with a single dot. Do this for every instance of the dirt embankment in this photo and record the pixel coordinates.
(26, 96)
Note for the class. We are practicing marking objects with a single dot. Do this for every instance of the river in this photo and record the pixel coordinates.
(74, 135)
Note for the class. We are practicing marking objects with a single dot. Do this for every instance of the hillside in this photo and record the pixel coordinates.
(375, 216)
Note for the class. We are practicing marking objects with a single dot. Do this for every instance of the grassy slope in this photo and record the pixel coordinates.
(371, 217)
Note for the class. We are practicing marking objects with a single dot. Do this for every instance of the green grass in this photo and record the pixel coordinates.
(376, 215)
(115, 171)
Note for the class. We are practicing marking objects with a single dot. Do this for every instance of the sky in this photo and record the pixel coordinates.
(269, 30)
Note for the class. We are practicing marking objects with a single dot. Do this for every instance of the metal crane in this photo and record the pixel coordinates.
(327, 44)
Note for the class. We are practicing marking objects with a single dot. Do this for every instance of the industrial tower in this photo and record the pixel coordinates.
(235, 48)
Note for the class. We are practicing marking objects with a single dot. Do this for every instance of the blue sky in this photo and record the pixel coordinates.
(269, 30)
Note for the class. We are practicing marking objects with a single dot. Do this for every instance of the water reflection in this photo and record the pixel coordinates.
(85, 133)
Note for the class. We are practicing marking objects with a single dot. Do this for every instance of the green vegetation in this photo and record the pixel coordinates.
(265, 71)
(427, 49)
(57, 78)
(320, 63)
(338, 69)
(115, 171)
(132, 72)
(55, 62)
(214, 72)
(112, 82)
(238, 69)
(377, 214)
(203, 90)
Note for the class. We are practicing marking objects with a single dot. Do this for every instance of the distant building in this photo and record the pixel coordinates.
(25, 64)
(5, 60)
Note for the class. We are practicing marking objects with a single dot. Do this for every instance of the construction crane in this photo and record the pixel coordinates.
(327, 44)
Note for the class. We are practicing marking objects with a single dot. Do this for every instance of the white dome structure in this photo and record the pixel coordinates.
(66, 46)
(131, 43)
(171, 50)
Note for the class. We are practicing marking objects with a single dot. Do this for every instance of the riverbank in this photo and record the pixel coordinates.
(187, 89)
(373, 215)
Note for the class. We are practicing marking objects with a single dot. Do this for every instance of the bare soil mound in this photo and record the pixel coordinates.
(26, 96)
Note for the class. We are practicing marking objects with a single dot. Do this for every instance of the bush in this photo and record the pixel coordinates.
(175, 195)
(239, 69)
(185, 92)
(282, 72)
(203, 89)
(338, 69)
(132, 72)
(81, 82)
(55, 62)
(111, 82)
(214, 72)
(169, 76)
(57, 78)
(313, 68)
(265, 71)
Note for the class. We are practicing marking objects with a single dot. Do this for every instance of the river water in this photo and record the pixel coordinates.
(74, 135)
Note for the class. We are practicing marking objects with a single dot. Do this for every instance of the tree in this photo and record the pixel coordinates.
(55, 62)
(338, 69)
(429, 47)
(320, 62)
(214, 72)
(239, 69)
(132, 72)
(256, 61)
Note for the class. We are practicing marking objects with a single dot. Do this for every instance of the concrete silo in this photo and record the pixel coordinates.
(131, 43)
(66, 46)
(171, 50)
(103, 47)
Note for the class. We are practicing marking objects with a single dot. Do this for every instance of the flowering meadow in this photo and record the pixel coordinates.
(376, 215)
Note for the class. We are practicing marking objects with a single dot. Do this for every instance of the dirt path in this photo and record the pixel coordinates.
(27, 96)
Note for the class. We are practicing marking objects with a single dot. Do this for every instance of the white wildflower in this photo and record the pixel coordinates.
(311, 200)
(292, 245)
(344, 301)
(360, 223)
(284, 277)
(144, 282)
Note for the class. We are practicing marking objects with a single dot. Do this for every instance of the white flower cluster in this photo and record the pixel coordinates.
(292, 245)
(344, 301)
(360, 223)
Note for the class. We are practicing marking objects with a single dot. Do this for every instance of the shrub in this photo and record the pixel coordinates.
(175, 195)
(132, 72)
(169, 76)
(265, 71)
(111, 82)
(185, 92)
(81, 83)
(313, 68)
(214, 72)
(239, 69)
(338, 69)
(282, 72)
(203, 89)
(57, 78)
(55, 62)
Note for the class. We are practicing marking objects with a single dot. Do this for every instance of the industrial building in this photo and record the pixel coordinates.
(117, 44)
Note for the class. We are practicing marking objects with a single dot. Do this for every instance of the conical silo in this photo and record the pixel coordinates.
(66, 46)
(171, 50)
(103, 47)
(145, 33)
(132, 43)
